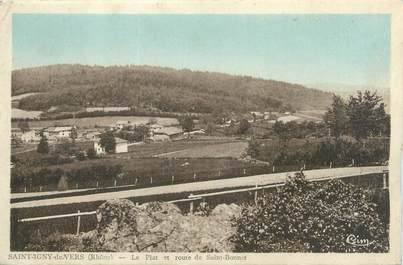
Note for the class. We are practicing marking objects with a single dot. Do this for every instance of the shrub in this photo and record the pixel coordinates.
(80, 155)
(91, 154)
(304, 216)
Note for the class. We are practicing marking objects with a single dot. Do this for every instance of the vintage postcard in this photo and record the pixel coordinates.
(187, 132)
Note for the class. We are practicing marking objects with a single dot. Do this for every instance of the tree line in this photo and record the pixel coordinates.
(362, 115)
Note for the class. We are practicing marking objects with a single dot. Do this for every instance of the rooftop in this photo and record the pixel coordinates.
(288, 118)
(169, 130)
(58, 128)
(120, 140)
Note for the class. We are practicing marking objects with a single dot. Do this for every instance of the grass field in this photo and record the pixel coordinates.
(234, 149)
(155, 149)
(24, 114)
(24, 148)
(92, 122)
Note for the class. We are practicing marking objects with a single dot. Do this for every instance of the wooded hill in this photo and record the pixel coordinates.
(158, 88)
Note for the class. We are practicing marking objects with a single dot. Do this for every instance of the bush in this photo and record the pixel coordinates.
(305, 216)
(91, 154)
(244, 126)
(80, 155)
(341, 152)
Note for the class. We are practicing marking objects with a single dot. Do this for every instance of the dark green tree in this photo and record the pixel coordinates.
(186, 123)
(382, 121)
(140, 133)
(285, 131)
(108, 142)
(43, 146)
(253, 148)
(366, 114)
(244, 126)
(336, 117)
(63, 183)
(91, 154)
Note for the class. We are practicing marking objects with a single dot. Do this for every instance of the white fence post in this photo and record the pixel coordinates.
(256, 195)
(191, 205)
(385, 186)
(244, 171)
(194, 175)
(135, 183)
(151, 180)
(173, 179)
(78, 222)
(114, 183)
(331, 164)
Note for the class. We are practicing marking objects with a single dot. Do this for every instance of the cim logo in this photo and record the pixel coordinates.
(357, 241)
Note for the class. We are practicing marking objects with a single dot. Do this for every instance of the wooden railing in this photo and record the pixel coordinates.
(78, 214)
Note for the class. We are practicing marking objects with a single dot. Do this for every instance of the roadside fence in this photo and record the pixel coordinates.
(163, 177)
(250, 193)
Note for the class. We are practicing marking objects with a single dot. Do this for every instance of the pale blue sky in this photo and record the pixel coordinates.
(306, 49)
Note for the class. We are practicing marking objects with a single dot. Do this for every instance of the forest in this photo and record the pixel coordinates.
(159, 89)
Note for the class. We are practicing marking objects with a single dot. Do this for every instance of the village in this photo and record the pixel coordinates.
(23, 135)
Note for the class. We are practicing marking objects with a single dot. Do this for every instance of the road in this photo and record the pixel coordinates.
(265, 179)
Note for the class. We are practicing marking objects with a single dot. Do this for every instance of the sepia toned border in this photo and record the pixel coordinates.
(392, 7)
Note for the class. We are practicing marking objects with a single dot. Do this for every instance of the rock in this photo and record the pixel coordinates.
(159, 227)
(225, 212)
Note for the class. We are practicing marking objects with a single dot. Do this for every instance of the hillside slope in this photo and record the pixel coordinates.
(163, 89)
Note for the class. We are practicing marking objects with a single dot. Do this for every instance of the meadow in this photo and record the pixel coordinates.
(148, 172)
(233, 149)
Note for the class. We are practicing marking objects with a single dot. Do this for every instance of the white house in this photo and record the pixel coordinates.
(57, 132)
(173, 133)
(257, 114)
(99, 150)
(122, 124)
(90, 134)
(31, 136)
(155, 128)
(120, 147)
(270, 115)
(196, 132)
